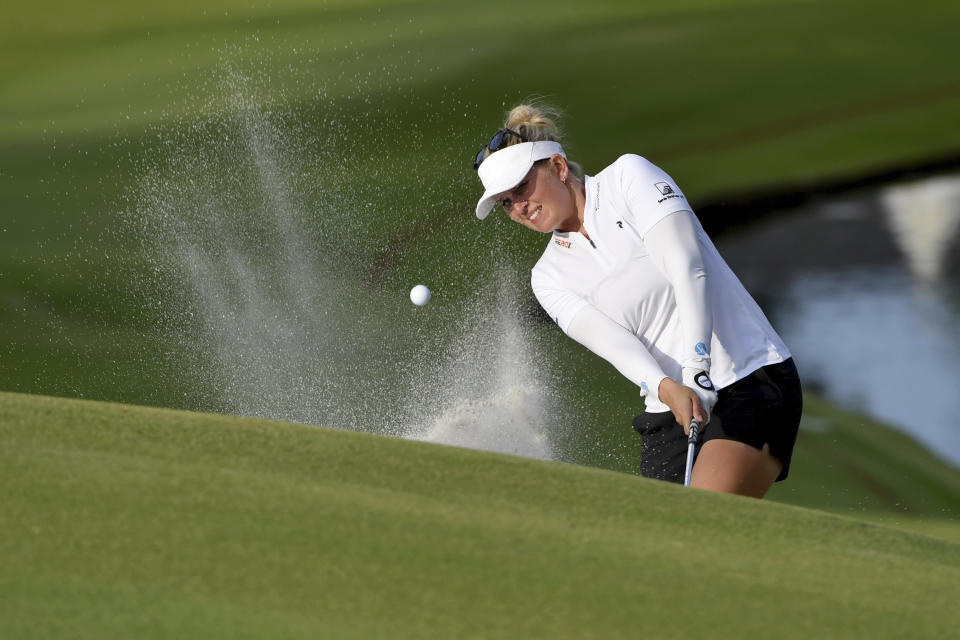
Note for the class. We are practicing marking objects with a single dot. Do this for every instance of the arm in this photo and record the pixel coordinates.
(659, 213)
(673, 245)
(621, 348)
(618, 346)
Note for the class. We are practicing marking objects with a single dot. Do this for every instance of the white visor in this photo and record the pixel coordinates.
(504, 169)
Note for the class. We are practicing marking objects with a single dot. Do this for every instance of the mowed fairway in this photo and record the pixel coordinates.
(121, 521)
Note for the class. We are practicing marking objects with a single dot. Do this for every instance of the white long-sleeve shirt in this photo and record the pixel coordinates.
(648, 290)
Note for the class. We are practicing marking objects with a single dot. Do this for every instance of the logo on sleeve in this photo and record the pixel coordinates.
(667, 190)
(620, 223)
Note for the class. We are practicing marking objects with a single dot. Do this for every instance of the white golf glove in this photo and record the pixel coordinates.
(699, 381)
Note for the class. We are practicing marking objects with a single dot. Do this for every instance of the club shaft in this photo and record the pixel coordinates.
(691, 448)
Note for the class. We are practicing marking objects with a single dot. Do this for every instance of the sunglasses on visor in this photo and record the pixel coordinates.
(497, 142)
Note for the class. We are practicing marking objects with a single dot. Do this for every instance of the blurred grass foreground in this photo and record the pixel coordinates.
(124, 521)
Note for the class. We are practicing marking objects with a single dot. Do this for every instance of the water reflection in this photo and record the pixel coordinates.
(865, 289)
(924, 218)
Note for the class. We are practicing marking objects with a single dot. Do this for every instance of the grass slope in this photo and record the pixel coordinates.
(726, 95)
(120, 521)
(850, 464)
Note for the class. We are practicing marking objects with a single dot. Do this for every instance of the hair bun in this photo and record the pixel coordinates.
(534, 121)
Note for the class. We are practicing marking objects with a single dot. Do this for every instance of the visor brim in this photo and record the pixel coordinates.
(504, 169)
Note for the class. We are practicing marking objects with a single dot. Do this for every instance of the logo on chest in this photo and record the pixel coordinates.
(566, 244)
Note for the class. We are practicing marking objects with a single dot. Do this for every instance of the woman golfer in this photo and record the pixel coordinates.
(630, 274)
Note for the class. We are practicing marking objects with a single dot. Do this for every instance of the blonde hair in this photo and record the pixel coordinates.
(538, 121)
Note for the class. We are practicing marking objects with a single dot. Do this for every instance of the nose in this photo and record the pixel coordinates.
(518, 209)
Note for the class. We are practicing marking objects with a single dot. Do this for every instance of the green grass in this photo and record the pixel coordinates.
(122, 521)
(852, 465)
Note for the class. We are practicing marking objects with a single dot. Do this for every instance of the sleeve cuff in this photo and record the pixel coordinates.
(653, 392)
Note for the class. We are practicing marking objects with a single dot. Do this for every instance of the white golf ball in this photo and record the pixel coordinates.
(420, 295)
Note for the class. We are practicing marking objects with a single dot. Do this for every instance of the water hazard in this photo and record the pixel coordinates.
(865, 289)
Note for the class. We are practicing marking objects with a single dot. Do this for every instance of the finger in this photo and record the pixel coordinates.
(679, 418)
(683, 416)
(697, 411)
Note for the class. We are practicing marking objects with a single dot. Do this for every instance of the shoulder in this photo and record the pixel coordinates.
(637, 177)
(552, 270)
(645, 191)
(545, 270)
(630, 166)
(630, 171)
(551, 279)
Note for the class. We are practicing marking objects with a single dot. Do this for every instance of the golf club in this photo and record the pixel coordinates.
(691, 445)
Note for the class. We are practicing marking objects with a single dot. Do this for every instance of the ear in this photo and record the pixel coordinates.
(559, 165)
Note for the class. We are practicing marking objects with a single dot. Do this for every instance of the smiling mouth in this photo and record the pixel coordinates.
(535, 214)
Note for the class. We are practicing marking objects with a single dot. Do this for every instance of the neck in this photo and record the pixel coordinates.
(578, 193)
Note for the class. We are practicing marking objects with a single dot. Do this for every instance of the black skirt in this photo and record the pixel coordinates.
(762, 408)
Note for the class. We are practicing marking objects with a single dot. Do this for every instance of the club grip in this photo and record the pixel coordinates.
(694, 432)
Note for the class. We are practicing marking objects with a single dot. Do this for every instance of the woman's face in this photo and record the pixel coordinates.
(542, 201)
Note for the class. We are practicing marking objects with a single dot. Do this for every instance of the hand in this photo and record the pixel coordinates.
(699, 380)
(685, 403)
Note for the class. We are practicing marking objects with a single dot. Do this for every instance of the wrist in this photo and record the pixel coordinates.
(698, 363)
(699, 381)
(698, 378)
(666, 389)
(651, 392)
